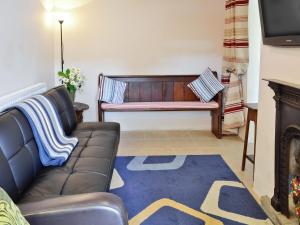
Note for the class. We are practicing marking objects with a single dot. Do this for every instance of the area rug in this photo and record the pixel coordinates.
(183, 190)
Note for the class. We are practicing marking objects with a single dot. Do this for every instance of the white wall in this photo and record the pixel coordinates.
(145, 37)
(26, 47)
(255, 39)
(251, 84)
(276, 63)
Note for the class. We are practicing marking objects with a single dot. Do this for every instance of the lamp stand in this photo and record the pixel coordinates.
(61, 45)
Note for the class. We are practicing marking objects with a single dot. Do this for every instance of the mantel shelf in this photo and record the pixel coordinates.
(284, 83)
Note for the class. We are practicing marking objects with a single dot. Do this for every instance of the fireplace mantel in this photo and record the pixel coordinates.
(287, 97)
(285, 92)
(283, 83)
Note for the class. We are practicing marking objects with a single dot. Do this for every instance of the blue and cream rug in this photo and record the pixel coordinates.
(183, 190)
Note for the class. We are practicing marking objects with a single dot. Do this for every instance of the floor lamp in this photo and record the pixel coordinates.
(61, 45)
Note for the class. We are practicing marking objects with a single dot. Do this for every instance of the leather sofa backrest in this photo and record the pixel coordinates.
(19, 156)
(61, 100)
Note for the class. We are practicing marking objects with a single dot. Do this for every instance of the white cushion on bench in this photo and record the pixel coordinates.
(148, 106)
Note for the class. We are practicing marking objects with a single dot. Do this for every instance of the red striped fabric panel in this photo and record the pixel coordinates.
(234, 3)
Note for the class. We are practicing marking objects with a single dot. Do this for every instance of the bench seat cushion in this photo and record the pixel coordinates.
(160, 106)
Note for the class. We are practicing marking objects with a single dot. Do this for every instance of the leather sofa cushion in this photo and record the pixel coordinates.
(19, 158)
(92, 126)
(89, 168)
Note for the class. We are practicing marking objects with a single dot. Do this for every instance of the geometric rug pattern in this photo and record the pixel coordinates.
(183, 190)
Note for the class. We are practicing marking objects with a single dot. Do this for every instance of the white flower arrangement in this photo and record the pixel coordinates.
(72, 79)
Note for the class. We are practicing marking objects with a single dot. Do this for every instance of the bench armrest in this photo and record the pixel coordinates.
(83, 209)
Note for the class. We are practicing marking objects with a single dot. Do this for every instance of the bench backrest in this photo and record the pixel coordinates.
(153, 88)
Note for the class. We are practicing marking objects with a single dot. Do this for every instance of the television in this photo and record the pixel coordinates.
(280, 21)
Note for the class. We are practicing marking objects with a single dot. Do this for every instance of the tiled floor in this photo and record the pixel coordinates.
(139, 143)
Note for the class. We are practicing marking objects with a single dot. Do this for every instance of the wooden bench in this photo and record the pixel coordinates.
(163, 93)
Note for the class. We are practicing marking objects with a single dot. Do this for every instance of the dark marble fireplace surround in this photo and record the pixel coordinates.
(287, 97)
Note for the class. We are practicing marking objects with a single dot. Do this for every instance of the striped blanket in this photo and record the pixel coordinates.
(54, 147)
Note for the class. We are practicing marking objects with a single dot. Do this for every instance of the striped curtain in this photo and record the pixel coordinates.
(235, 62)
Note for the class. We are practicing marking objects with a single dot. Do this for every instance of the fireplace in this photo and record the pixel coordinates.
(287, 141)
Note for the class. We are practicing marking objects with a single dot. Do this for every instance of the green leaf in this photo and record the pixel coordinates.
(68, 72)
(61, 74)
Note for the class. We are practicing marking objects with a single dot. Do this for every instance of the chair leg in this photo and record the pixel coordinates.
(100, 113)
(245, 144)
(216, 123)
(100, 116)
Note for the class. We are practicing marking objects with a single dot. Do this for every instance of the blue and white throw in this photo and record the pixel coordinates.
(54, 147)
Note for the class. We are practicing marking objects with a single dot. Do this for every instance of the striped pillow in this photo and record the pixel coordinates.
(111, 91)
(193, 87)
(206, 86)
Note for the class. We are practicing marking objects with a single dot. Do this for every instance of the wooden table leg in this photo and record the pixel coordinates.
(245, 143)
(255, 123)
(251, 116)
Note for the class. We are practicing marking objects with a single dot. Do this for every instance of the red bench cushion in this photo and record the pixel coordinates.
(159, 106)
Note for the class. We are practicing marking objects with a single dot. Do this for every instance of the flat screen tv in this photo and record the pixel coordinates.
(280, 21)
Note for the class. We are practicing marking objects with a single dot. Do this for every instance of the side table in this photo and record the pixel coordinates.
(79, 109)
(252, 116)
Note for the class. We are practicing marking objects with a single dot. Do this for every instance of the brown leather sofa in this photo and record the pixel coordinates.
(75, 193)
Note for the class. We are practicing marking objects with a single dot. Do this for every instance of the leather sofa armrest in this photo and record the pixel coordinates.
(83, 209)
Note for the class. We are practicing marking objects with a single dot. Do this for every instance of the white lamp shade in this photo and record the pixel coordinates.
(51, 5)
(61, 16)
